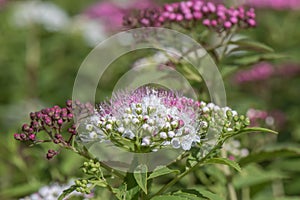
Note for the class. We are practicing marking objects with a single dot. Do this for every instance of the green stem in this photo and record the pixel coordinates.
(187, 171)
(88, 156)
(227, 172)
(246, 193)
(226, 42)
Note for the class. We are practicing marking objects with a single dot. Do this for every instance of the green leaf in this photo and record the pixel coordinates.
(67, 192)
(160, 171)
(224, 161)
(188, 196)
(122, 193)
(254, 175)
(246, 44)
(250, 130)
(208, 194)
(269, 153)
(248, 60)
(169, 197)
(259, 129)
(140, 175)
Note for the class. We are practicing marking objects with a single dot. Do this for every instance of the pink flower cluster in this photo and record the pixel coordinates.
(168, 98)
(111, 14)
(275, 4)
(263, 71)
(2, 2)
(209, 14)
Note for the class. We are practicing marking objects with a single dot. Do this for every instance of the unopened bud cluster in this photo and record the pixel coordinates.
(82, 186)
(91, 167)
(224, 119)
(52, 121)
(48, 119)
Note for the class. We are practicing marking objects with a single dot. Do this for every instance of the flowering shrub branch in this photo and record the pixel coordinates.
(150, 119)
(143, 120)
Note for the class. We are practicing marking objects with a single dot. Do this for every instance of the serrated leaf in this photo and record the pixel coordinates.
(140, 175)
(246, 44)
(224, 161)
(169, 197)
(160, 171)
(270, 153)
(67, 192)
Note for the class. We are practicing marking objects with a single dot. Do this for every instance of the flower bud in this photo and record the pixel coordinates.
(171, 134)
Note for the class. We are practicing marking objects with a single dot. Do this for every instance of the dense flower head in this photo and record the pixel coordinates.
(152, 118)
(209, 14)
(44, 13)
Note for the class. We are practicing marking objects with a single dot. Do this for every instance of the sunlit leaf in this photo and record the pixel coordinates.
(246, 44)
(160, 171)
(140, 175)
(169, 197)
(224, 161)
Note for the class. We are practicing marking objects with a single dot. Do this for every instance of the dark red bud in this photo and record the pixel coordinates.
(32, 115)
(70, 116)
(32, 137)
(17, 136)
(60, 122)
(69, 103)
(25, 127)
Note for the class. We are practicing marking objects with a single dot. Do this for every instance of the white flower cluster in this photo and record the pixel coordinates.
(53, 191)
(157, 120)
(46, 14)
(150, 122)
(52, 18)
(92, 30)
